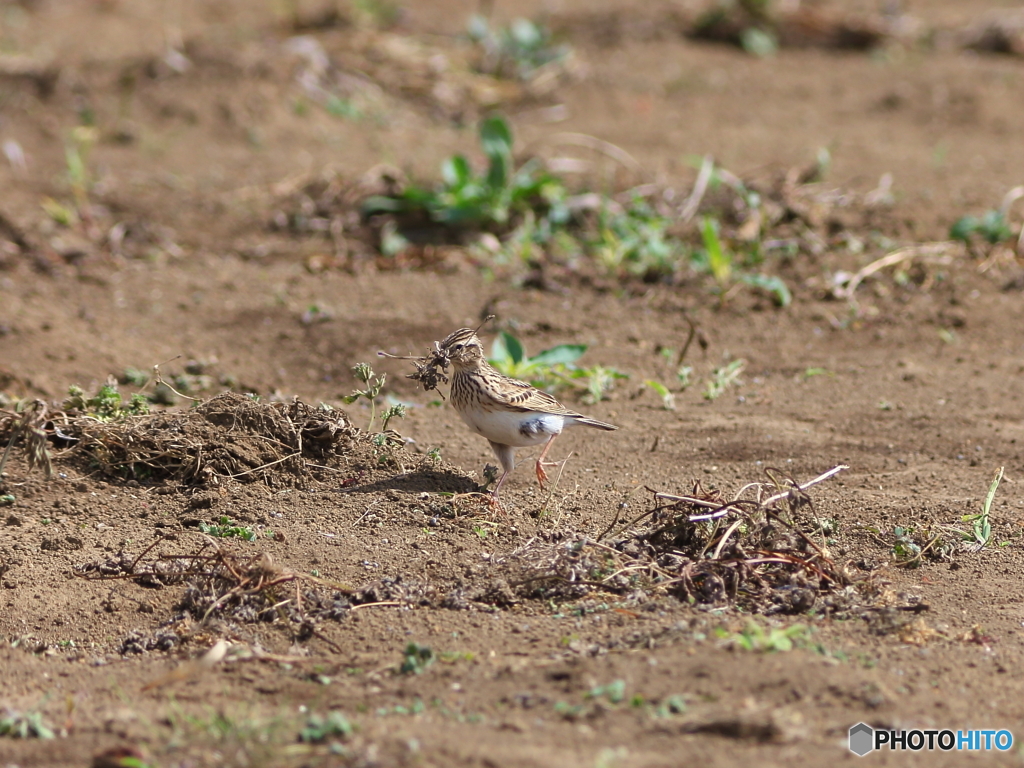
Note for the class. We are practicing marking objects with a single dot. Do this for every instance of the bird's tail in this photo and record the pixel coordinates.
(588, 422)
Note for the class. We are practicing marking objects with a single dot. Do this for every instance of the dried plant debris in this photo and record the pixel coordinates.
(228, 436)
(431, 370)
(766, 555)
(427, 372)
(29, 425)
(230, 589)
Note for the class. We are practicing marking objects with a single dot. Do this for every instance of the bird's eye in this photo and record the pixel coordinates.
(457, 347)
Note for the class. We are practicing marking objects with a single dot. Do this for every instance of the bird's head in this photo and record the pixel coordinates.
(463, 348)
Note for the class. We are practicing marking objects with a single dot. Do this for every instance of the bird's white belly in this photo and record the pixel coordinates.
(513, 428)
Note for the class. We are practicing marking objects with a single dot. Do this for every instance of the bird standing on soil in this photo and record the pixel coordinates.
(509, 413)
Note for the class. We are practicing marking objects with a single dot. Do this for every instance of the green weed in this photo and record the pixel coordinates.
(672, 705)
(224, 528)
(981, 525)
(719, 261)
(755, 638)
(905, 548)
(106, 404)
(991, 226)
(135, 376)
(526, 215)
(416, 659)
(810, 373)
(373, 386)
(76, 158)
(614, 691)
(340, 107)
(382, 14)
(668, 399)
(490, 201)
(320, 728)
(24, 725)
(395, 411)
(553, 368)
(723, 378)
(248, 737)
(636, 241)
(519, 51)
(417, 707)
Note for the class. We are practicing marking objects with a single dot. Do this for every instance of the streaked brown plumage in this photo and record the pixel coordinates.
(509, 413)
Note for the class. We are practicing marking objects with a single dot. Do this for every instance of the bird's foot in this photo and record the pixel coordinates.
(495, 504)
(542, 476)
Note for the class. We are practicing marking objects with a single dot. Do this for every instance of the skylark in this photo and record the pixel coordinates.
(509, 413)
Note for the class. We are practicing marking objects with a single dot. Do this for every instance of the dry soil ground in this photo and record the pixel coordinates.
(207, 134)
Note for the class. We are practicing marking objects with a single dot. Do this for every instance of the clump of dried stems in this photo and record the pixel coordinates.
(228, 436)
(767, 553)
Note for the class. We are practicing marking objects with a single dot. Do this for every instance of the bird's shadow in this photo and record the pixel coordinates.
(419, 481)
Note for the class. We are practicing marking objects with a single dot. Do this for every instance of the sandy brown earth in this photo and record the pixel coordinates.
(532, 636)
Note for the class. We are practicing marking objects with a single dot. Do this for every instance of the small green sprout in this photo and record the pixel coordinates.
(685, 376)
(990, 226)
(668, 399)
(981, 525)
(636, 241)
(415, 659)
(719, 261)
(905, 548)
(723, 378)
(396, 411)
(27, 725)
(519, 51)
(755, 638)
(672, 705)
(319, 728)
(615, 692)
(106, 404)
(224, 528)
(374, 384)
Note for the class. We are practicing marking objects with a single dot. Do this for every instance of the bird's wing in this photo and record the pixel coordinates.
(520, 395)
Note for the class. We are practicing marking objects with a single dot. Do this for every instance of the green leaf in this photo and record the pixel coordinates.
(382, 204)
(497, 172)
(771, 283)
(658, 387)
(987, 506)
(758, 42)
(527, 34)
(963, 227)
(495, 136)
(668, 399)
(507, 348)
(718, 260)
(496, 140)
(456, 171)
(993, 227)
(564, 354)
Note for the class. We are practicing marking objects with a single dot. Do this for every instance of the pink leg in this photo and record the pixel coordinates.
(497, 488)
(541, 474)
(506, 457)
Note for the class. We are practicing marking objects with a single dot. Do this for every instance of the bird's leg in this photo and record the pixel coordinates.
(506, 457)
(495, 498)
(541, 474)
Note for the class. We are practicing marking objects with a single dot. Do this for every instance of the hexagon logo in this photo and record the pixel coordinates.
(862, 739)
